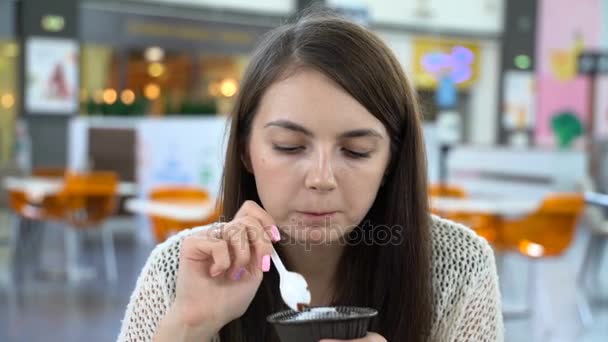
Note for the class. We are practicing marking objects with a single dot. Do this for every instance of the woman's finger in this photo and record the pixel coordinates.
(203, 248)
(251, 208)
(235, 233)
(261, 245)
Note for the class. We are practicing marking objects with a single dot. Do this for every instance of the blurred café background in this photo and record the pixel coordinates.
(112, 122)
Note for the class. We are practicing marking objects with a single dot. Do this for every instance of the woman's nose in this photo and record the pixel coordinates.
(321, 176)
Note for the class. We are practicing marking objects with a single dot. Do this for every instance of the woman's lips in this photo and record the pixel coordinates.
(317, 214)
(317, 217)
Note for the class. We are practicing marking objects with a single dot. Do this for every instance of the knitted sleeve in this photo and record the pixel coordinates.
(154, 291)
(480, 316)
(151, 297)
(467, 296)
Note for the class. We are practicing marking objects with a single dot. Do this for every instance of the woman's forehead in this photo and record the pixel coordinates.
(311, 99)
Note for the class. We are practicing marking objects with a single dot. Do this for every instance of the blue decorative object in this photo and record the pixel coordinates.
(458, 63)
(447, 94)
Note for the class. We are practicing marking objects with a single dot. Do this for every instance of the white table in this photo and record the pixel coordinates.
(36, 188)
(502, 207)
(186, 212)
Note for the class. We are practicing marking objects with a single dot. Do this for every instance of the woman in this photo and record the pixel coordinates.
(325, 154)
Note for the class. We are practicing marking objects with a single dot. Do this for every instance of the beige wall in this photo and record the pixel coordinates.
(268, 6)
(8, 97)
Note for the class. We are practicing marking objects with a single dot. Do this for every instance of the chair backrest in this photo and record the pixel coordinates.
(570, 204)
(179, 193)
(113, 149)
(49, 208)
(548, 231)
(485, 225)
(50, 172)
(162, 228)
(90, 197)
(446, 190)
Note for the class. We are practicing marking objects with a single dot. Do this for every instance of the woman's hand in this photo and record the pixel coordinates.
(218, 276)
(371, 337)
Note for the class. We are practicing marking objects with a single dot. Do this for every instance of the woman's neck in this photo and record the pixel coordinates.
(318, 264)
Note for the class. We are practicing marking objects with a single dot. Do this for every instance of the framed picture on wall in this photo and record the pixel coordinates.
(51, 76)
(519, 104)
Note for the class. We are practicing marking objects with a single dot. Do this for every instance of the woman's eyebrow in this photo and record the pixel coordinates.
(290, 125)
(358, 133)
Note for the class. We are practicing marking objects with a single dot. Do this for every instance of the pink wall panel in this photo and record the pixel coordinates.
(560, 22)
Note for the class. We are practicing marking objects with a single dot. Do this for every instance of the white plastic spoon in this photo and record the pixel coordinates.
(293, 286)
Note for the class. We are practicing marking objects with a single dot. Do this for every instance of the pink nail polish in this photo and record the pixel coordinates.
(266, 263)
(276, 236)
(239, 274)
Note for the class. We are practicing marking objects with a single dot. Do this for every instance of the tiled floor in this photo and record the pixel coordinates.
(555, 316)
(46, 309)
(49, 310)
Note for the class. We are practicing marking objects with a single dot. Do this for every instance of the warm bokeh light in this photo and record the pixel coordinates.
(109, 96)
(214, 89)
(127, 96)
(154, 54)
(98, 96)
(228, 87)
(531, 249)
(156, 69)
(152, 91)
(7, 100)
(11, 50)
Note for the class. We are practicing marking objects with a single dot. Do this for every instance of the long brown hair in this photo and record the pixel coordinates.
(393, 278)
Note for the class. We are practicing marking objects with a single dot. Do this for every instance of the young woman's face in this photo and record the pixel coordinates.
(318, 157)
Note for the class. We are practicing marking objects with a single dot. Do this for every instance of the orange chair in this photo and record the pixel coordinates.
(89, 199)
(486, 225)
(30, 213)
(48, 208)
(548, 232)
(163, 227)
(446, 190)
(27, 231)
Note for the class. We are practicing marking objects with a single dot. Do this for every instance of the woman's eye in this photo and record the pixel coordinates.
(356, 155)
(288, 149)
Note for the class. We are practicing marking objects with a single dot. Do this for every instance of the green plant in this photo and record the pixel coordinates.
(566, 128)
(197, 108)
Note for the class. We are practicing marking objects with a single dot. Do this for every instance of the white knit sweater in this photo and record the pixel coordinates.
(466, 294)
